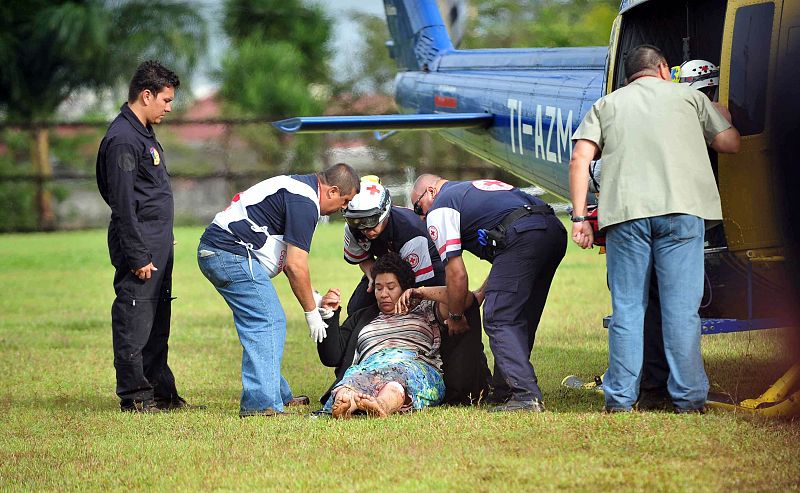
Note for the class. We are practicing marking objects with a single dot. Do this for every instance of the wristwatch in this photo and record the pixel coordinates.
(579, 219)
(455, 316)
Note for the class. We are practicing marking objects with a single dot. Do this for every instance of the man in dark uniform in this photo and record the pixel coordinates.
(133, 180)
(375, 227)
(519, 234)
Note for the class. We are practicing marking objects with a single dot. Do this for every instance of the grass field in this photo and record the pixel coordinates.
(60, 427)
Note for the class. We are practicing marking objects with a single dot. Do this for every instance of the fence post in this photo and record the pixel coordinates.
(40, 157)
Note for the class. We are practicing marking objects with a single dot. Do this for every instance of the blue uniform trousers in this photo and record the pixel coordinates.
(516, 292)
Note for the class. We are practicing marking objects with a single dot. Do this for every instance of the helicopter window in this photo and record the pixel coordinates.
(750, 56)
(683, 30)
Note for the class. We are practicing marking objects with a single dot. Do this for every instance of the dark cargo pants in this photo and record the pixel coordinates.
(516, 293)
(140, 324)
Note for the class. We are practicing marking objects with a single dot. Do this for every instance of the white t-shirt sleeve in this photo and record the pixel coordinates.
(416, 253)
(444, 228)
(353, 251)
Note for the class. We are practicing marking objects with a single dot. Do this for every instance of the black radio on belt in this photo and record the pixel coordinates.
(494, 240)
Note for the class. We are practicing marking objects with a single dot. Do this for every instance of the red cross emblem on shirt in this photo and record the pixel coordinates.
(234, 199)
(491, 185)
(372, 189)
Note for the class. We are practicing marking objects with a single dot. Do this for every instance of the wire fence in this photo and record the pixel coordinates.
(209, 160)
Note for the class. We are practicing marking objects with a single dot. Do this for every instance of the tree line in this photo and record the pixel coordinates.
(276, 64)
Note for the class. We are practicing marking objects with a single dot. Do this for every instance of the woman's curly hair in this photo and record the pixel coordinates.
(392, 263)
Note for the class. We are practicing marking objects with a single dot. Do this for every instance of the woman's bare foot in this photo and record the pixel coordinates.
(370, 405)
(343, 404)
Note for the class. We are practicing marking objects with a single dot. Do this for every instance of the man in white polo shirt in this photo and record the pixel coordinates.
(267, 229)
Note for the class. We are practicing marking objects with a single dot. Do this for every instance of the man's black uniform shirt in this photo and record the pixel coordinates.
(133, 180)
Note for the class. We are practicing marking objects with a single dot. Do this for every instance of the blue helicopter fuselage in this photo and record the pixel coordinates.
(515, 108)
(538, 98)
(519, 108)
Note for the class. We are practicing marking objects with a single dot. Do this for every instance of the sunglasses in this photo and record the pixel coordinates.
(418, 208)
(363, 222)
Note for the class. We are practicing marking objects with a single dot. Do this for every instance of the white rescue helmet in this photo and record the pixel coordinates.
(369, 207)
(698, 74)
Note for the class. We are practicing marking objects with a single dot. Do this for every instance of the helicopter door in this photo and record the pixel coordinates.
(611, 58)
(746, 180)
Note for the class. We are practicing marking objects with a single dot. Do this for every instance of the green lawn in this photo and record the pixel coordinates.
(60, 428)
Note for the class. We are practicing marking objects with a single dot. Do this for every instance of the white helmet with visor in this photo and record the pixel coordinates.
(698, 74)
(369, 207)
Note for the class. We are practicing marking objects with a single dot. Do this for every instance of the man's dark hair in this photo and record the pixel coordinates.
(341, 175)
(392, 263)
(643, 57)
(153, 76)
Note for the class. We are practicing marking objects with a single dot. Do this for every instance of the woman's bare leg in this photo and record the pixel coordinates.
(390, 399)
(343, 403)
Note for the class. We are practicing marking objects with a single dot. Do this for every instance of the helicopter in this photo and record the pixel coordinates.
(518, 109)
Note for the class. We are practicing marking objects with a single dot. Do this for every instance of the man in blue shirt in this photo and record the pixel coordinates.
(519, 234)
(266, 230)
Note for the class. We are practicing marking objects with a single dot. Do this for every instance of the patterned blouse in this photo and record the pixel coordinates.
(417, 330)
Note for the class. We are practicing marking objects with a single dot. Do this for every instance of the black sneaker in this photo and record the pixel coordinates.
(269, 412)
(513, 405)
(697, 410)
(145, 407)
(497, 398)
(178, 404)
(299, 400)
(653, 400)
(616, 410)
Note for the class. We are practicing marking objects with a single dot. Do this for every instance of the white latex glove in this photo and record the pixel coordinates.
(325, 313)
(316, 327)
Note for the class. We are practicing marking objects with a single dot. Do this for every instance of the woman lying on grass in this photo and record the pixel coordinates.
(387, 359)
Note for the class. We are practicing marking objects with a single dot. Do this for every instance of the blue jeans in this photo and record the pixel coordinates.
(672, 245)
(259, 320)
